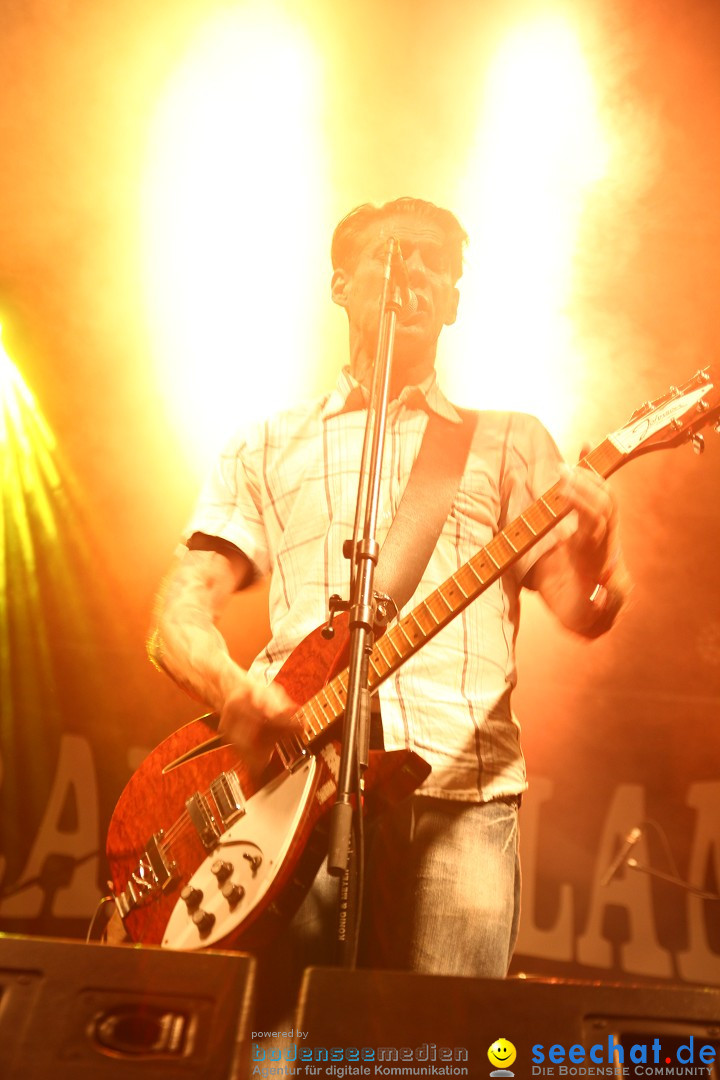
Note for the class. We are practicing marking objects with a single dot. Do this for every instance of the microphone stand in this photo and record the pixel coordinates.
(355, 739)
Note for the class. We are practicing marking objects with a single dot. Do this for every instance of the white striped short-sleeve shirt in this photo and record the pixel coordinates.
(284, 492)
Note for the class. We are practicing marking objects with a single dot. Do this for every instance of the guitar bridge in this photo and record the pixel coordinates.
(154, 874)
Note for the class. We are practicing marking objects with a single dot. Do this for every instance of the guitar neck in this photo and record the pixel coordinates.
(406, 636)
(442, 605)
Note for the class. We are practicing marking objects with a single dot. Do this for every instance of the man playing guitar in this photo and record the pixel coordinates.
(442, 868)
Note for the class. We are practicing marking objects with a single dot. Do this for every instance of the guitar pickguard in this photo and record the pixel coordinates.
(235, 877)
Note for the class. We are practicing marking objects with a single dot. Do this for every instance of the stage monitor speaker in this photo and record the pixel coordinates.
(392, 1021)
(70, 1011)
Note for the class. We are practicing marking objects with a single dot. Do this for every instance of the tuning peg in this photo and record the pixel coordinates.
(698, 444)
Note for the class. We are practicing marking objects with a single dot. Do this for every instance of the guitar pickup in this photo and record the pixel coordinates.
(201, 816)
(229, 798)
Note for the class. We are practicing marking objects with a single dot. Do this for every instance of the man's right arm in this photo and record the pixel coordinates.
(187, 644)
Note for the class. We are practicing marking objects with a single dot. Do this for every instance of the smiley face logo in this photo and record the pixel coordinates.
(501, 1054)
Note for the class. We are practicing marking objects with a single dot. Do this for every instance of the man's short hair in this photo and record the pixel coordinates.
(350, 233)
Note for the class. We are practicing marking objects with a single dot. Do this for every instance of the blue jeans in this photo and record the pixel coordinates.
(442, 891)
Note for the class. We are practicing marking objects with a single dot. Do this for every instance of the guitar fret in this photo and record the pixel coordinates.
(317, 713)
(452, 593)
(373, 665)
(426, 607)
(497, 543)
(395, 632)
(404, 633)
(328, 712)
(412, 616)
(527, 524)
(519, 530)
(456, 582)
(307, 712)
(547, 506)
(382, 666)
(539, 517)
(389, 637)
(439, 592)
(331, 687)
(507, 540)
(493, 560)
(378, 647)
(475, 573)
(374, 677)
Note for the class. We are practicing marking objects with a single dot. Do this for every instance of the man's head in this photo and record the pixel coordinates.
(351, 232)
(431, 241)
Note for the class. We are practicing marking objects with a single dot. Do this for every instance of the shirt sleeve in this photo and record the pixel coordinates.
(532, 466)
(230, 502)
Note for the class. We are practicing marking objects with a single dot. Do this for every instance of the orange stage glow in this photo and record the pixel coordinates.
(236, 201)
(540, 148)
(235, 242)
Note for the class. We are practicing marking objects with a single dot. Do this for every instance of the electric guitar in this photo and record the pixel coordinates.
(204, 855)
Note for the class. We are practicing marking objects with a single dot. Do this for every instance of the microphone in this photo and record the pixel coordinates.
(628, 844)
(408, 299)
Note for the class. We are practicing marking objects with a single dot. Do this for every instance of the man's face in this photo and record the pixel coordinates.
(359, 289)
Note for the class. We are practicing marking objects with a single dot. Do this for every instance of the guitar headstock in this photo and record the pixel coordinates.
(675, 418)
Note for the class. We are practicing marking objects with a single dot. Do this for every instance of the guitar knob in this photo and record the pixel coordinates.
(233, 893)
(204, 920)
(192, 897)
(222, 869)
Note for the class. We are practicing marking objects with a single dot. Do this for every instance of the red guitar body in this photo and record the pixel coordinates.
(185, 831)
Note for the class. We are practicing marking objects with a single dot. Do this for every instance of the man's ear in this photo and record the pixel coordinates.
(451, 306)
(339, 287)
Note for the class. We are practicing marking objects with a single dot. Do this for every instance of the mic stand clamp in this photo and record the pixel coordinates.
(385, 610)
(336, 604)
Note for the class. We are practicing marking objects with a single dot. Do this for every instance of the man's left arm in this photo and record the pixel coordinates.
(584, 579)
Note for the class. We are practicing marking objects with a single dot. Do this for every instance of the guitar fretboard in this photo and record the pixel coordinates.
(406, 636)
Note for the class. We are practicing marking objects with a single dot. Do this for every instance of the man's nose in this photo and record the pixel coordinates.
(415, 264)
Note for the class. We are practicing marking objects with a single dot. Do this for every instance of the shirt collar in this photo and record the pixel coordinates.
(349, 395)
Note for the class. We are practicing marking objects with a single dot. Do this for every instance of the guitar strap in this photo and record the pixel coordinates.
(424, 506)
